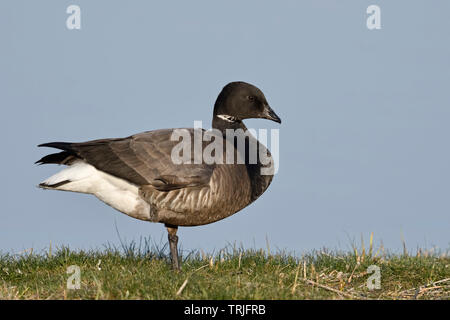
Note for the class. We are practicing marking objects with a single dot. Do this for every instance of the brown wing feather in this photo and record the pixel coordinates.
(144, 159)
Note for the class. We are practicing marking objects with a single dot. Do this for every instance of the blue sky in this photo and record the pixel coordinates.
(364, 138)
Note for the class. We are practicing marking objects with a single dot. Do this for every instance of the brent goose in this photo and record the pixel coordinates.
(137, 175)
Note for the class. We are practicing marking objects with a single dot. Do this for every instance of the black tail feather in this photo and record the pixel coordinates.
(56, 158)
(63, 157)
(66, 146)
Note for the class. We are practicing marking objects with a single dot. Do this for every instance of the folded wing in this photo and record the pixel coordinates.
(143, 159)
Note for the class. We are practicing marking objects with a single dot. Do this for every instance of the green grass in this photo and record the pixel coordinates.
(233, 273)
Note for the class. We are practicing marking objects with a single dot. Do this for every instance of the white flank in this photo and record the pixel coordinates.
(118, 193)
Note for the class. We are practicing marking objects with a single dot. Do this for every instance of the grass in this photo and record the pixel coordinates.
(143, 272)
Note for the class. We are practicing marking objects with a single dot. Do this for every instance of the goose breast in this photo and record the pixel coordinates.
(228, 191)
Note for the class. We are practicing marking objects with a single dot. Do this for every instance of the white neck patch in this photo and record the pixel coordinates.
(227, 118)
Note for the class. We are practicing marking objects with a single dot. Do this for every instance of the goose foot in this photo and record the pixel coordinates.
(173, 242)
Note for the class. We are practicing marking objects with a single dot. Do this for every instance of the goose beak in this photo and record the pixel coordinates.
(271, 115)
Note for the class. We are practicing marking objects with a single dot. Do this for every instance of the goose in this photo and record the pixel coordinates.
(137, 176)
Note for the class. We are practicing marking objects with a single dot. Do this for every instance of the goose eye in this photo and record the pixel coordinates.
(251, 98)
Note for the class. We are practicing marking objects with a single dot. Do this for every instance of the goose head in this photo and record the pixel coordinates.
(240, 100)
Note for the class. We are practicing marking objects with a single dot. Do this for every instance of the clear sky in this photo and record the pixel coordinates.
(364, 140)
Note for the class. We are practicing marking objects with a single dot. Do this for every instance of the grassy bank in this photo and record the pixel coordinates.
(230, 274)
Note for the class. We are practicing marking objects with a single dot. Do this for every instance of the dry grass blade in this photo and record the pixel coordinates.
(182, 286)
(441, 281)
(371, 245)
(363, 249)
(342, 293)
(268, 246)
(351, 276)
(180, 290)
(405, 251)
(296, 277)
(420, 291)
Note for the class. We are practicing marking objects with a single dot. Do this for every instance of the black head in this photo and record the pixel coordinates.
(240, 100)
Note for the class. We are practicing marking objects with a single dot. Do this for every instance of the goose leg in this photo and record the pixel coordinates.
(173, 242)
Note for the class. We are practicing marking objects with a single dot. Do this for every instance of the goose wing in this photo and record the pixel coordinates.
(143, 159)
